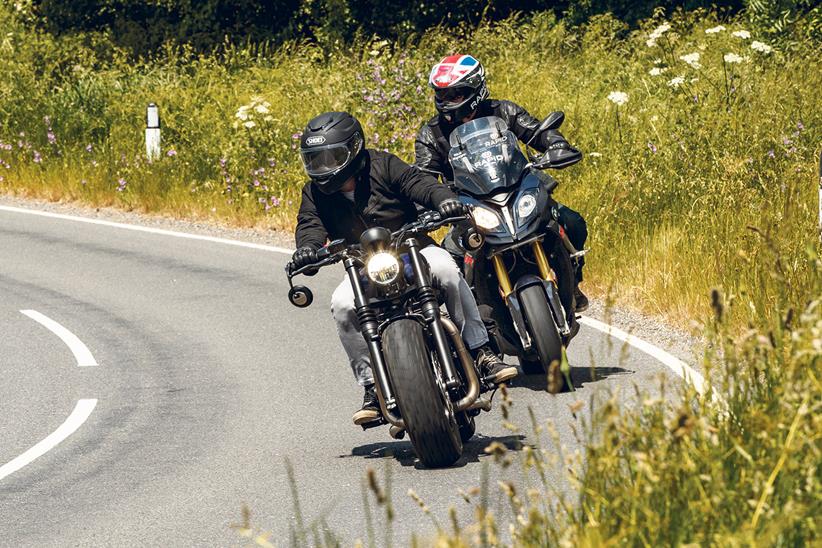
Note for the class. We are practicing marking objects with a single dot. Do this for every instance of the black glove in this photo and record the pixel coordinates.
(452, 207)
(304, 256)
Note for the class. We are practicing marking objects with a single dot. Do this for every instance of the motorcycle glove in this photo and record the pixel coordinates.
(452, 208)
(304, 256)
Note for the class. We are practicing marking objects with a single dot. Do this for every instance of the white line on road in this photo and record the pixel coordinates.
(80, 350)
(150, 230)
(679, 367)
(81, 412)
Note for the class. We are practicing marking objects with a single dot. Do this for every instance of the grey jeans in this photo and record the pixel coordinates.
(458, 300)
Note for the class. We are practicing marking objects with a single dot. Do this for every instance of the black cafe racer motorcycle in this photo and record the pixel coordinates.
(522, 268)
(426, 381)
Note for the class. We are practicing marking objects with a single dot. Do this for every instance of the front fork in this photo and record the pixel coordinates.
(545, 272)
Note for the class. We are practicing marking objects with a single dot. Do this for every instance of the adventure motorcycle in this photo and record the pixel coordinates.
(426, 381)
(522, 269)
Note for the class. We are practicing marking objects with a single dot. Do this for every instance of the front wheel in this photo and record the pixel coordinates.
(424, 404)
(545, 335)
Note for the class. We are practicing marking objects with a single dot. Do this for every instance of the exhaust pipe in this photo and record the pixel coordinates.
(467, 365)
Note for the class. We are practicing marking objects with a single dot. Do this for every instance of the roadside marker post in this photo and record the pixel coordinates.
(152, 132)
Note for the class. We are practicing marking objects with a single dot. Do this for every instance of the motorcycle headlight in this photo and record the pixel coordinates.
(485, 218)
(383, 268)
(526, 205)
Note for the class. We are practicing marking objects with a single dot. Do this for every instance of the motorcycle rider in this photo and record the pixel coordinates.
(352, 188)
(460, 95)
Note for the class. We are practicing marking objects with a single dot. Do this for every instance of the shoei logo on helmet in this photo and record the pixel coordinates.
(452, 69)
(318, 140)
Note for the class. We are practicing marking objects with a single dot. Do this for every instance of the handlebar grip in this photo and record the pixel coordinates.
(323, 253)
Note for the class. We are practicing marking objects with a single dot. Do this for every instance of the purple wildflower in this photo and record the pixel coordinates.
(223, 162)
(786, 141)
(652, 147)
(171, 153)
(800, 126)
(37, 157)
(275, 201)
(51, 137)
(771, 154)
(121, 184)
(89, 148)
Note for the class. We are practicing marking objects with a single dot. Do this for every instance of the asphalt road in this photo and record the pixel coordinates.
(208, 380)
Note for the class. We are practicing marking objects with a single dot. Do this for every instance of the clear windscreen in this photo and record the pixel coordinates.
(484, 156)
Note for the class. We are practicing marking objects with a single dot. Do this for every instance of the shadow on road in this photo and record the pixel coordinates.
(579, 377)
(403, 453)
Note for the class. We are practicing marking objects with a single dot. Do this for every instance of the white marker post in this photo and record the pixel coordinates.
(152, 132)
(820, 194)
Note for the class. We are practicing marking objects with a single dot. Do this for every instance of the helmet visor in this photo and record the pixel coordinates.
(451, 96)
(322, 161)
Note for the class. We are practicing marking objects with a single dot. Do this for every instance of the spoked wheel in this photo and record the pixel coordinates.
(428, 414)
(545, 335)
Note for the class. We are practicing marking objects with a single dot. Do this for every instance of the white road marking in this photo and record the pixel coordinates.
(147, 229)
(680, 368)
(80, 350)
(81, 412)
(676, 365)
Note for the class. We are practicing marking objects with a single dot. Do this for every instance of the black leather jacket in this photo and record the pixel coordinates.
(432, 146)
(387, 189)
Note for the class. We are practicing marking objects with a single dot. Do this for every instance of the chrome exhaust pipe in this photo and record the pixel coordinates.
(467, 365)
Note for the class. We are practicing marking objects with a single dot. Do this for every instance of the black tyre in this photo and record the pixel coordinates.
(545, 335)
(429, 417)
(468, 427)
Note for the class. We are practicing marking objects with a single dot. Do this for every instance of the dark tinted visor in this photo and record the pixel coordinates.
(451, 95)
(325, 160)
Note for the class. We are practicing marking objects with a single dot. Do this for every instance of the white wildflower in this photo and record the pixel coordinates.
(619, 98)
(761, 47)
(261, 109)
(733, 58)
(657, 61)
(691, 59)
(595, 155)
(656, 34)
(715, 30)
(744, 34)
(676, 82)
(241, 115)
(656, 71)
(250, 124)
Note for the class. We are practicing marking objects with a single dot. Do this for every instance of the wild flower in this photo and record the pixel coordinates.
(619, 98)
(275, 202)
(761, 47)
(262, 108)
(652, 147)
(37, 157)
(800, 126)
(656, 71)
(657, 33)
(89, 148)
(171, 153)
(744, 34)
(121, 184)
(52, 138)
(250, 124)
(715, 30)
(595, 154)
(676, 82)
(733, 58)
(691, 59)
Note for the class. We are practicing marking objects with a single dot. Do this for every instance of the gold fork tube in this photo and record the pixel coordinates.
(502, 275)
(545, 269)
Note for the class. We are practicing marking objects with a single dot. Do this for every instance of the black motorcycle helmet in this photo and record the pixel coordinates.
(459, 86)
(332, 149)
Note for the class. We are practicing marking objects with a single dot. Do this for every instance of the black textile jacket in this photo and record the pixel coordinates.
(386, 191)
(432, 146)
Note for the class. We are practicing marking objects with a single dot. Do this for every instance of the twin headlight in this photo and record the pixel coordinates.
(486, 219)
(383, 268)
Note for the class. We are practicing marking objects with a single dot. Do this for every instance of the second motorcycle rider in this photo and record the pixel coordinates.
(461, 95)
(352, 188)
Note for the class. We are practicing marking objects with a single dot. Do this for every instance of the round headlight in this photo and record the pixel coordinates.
(485, 218)
(383, 268)
(526, 205)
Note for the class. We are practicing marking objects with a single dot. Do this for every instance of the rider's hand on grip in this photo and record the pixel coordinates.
(452, 208)
(304, 256)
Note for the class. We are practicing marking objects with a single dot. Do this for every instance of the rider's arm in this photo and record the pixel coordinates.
(426, 154)
(310, 231)
(415, 184)
(523, 125)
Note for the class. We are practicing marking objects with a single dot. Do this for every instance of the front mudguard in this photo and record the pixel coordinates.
(557, 311)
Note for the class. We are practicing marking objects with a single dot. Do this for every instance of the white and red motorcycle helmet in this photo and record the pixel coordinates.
(459, 86)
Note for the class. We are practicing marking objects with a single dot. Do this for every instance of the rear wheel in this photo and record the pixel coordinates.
(426, 409)
(544, 334)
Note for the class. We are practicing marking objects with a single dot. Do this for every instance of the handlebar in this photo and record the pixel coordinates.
(337, 250)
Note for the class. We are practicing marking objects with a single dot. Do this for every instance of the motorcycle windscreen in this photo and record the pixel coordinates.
(485, 157)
